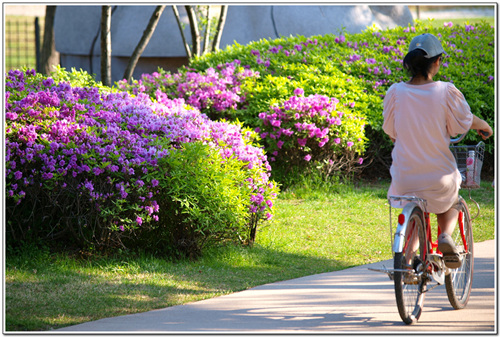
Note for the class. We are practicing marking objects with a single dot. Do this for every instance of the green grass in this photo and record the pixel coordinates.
(319, 227)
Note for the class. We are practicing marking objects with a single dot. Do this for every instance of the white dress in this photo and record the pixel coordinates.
(421, 118)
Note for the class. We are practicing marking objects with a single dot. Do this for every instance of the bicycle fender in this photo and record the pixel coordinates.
(399, 236)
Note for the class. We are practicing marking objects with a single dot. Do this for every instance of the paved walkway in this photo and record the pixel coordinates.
(353, 300)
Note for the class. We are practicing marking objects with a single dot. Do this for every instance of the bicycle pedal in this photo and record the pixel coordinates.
(452, 261)
(410, 279)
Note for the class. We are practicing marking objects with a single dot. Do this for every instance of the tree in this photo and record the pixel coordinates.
(106, 45)
(194, 25)
(146, 36)
(195, 33)
(207, 31)
(220, 27)
(186, 45)
(49, 56)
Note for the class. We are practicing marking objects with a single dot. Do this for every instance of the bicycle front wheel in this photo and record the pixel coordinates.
(459, 281)
(409, 284)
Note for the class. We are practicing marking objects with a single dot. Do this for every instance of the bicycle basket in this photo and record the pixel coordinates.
(469, 162)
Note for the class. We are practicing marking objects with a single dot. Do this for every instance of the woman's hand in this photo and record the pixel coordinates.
(485, 134)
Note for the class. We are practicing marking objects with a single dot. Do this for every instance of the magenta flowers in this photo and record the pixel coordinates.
(212, 92)
(311, 128)
(103, 149)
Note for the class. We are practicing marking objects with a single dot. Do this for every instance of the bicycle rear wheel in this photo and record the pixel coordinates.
(459, 281)
(409, 287)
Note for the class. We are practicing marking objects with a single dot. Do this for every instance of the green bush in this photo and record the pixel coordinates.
(201, 199)
(335, 132)
(359, 68)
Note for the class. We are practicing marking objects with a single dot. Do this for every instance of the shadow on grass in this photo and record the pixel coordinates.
(60, 291)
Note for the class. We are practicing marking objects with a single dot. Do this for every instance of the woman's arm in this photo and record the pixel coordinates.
(480, 125)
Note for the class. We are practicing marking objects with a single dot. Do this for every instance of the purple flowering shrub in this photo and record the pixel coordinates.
(207, 91)
(316, 128)
(94, 167)
(215, 92)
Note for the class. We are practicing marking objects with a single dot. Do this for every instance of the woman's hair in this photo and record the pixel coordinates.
(416, 63)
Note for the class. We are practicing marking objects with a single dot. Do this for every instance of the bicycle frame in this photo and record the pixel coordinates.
(434, 267)
(401, 236)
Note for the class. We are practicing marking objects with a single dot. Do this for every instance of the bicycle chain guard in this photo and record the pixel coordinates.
(438, 269)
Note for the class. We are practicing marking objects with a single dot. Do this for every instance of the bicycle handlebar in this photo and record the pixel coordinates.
(458, 139)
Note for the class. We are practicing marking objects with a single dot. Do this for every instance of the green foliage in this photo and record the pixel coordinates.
(78, 78)
(202, 198)
(360, 68)
(313, 132)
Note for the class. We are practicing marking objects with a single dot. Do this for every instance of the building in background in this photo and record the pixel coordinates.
(77, 31)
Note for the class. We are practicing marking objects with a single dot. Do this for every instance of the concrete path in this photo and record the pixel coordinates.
(353, 300)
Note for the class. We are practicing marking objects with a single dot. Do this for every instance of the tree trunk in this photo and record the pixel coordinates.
(146, 36)
(207, 32)
(106, 45)
(195, 33)
(49, 56)
(177, 17)
(220, 28)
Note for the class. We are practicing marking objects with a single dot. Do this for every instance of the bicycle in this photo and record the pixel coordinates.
(417, 260)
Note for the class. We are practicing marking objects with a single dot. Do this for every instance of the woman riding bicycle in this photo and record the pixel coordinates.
(420, 116)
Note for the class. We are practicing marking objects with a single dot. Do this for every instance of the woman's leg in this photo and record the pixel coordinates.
(447, 220)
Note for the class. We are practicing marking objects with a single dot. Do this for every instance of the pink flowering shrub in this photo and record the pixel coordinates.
(316, 128)
(215, 92)
(96, 167)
